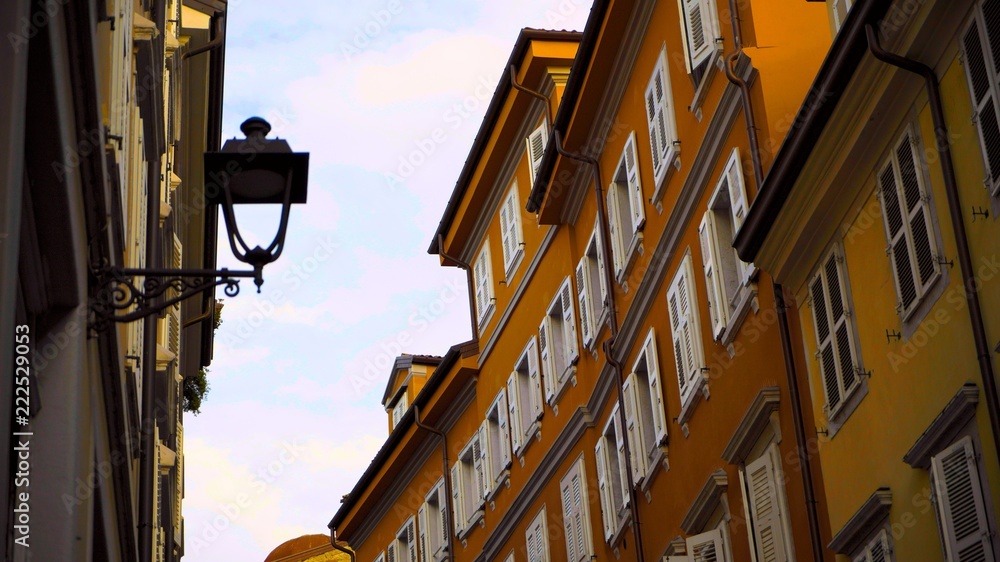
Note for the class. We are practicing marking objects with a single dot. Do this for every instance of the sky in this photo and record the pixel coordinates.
(386, 96)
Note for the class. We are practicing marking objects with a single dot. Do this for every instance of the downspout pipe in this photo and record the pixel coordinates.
(336, 545)
(444, 469)
(521, 88)
(798, 422)
(613, 328)
(957, 222)
(220, 38)
(473, 313)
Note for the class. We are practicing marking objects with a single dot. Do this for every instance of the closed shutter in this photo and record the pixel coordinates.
(457, 497)
(576, 520)
(536, 538)
(738, 208)
(442, 504)
(706, 547)
(684, 329)
(424, 531)
(535, 376)
(717, 302)
(548, 356)
(566, 492)
(504, 445)
(583, 292)
(478, 475)
(411, 541)
(604, 487)
(765, 509)
(536, 148)
(380, 557)
(391, 552)
(877, 550)
(514, 404)
(615, 230)
(633, 427)
(698, 32)
(488, 463)
(981, 43)
(510, 228)
(907, 219)
(961, 504)
(174, 312)
(659, 118)
(484, 282)
(622, 466)
(655, 387)
(834, 338)
(635, 197)
(571, 345)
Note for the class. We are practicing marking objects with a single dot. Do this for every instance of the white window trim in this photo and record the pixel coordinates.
(485, 303)
(513, 251)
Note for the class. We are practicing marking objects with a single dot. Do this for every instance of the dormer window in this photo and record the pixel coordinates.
(399, 408)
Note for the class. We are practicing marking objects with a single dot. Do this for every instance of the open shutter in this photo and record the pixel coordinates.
(457, 500)
(535, 376)
(478, 475)
(599, 249)
(583, 292)
(981, 71)
(633, 428)
(615, 230)
(571, 346)
(506, 233)
(504, 445)
(536, 148)
(488, 462)
(657, 107)
(635, 196)
(411, 540)
(390, 552)
(737, 190)
(706, 547)
(717, 301)
(655, 387)
(443, 517)
(834, 341)
(622, 466)
(765, 510)
(698, 32)
(514, 404)
(174, 312)
(423, 532)
(961, 504)
(483, 282)
(604, 488)
(569, 517)
(684, 328)
(548, 357)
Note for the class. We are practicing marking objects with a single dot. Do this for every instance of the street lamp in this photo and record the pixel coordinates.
(251, 171)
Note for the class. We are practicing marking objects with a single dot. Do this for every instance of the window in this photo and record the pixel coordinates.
(404, 548)
(557, 342)
(908, 226)
(981, 69)
(765, 504)
(626, 215)
(511, 237)
(700, 28)
(524, 398)
(536, 142)
(591, 288)
(877, 550)
(380, 557)
(707, 547)
(644, 415)
(467, 486)
(537, 539)
(483, 272)
(835, 343)
(433, 524)
(576, 513)
(961, 505)
(725, 274)
(840, 9)
(496, 443)
(685, 328)
(612, 476)
(660, 120)
(400, 407)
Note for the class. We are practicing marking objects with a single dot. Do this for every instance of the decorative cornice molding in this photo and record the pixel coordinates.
(942, 431)
(756, 419)
(676, 547)
(857, 529)
(706, 503)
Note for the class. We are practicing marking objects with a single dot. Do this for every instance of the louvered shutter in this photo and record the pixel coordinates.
(179, 478)
(599, 249)
(834, 340)
(502, 410)
(536, 148)
(706, 547)
(390, 552)
(423, 532)
(717, 301)
(635, 196)
(571, 347)
(547, 356)
(516, 417)
(737, 190)
(961, 504)
(483, 285)
(765, 509)
(510, 227)
(411, 541)
(634, 428)
(487, 462)
(982, 64)
(698, 32)
(876, 551)
(655, 387)
(615, 230)
(657, 108)
(622, 466)
(478, 476)
(380, 557)
(442, 502)
(684, 327)
(583, 292)
(457, 500)
(157, 492)
(535, 376)
(174, 312)
(605, 488)
(840, 8)
(566, 492)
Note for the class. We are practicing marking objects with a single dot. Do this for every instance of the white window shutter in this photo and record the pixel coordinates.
(980, 69)
(765, 510)
(569, 527)
(571, 347)
(717, 301)
(685, 329)
(605, 488)
(502, 410)
(635, 196)
(516, 417)
(655, 387)
(478, 474)
(706, 547)
(601, 269)
(411, 540)
(536, 148)
(484, 282)
(506, 233)
(422, 527)
(535, 376)
(583, 292)
(536, 538)
(443, 515)
(615, 230)
(488, 462)
(390, 552)
(961, 504)
(659, 118)
(547, 353)
(698, 32)
(737, 191)
(634, 427)
(622, 466)
(457, 499)
(834, 338)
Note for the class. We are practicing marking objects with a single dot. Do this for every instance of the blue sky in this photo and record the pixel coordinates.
(383, 94)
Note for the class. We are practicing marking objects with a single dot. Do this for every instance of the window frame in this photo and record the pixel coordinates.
(525, 419)
(536, 142)
(614, 500)
(558, 342)
(592, 296)
(661, 123)
(497, 448)
(406, 548)
(626, 211)
(435, 505)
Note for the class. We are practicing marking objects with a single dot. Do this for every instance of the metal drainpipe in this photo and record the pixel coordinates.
(613, 328)
(798, 423)
(220, 37)
(519, 87)
(444, 473)
(472, 286)
(957, 223)
(333, 543)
